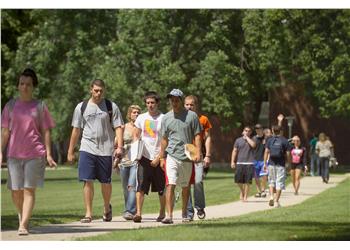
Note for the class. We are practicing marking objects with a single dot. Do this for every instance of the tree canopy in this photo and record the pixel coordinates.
(230, 58)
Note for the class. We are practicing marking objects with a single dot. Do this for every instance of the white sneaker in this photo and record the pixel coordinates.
(277, 204)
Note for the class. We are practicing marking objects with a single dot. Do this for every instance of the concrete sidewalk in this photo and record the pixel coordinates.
(309, 187)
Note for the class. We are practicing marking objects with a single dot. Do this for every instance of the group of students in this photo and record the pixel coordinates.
(105, 139)
(263, 157)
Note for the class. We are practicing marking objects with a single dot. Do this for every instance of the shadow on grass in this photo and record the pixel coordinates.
(4, 181)
(291, 231)
(340, 230)
(70, 230)
(62, 179)
(9, 222)
(218, 177)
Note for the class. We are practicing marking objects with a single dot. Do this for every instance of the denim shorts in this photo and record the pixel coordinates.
(25, 173)
(277, 177)
(93, 167)
(259, 169)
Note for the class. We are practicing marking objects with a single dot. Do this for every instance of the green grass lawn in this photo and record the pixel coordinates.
(323, 217)
(61, 199)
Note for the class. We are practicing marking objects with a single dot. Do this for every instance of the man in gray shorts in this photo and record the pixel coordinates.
(102, 137)
(277, 149)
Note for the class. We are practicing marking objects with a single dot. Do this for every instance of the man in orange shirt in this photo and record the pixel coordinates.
(191, 103)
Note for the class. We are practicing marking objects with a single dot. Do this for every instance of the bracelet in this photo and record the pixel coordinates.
(208, 156)
(118, 147)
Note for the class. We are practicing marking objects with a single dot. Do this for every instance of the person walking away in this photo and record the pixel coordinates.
(298, 164)
(149, 173)
(324, 149)
(100, 123)
(25, 131)
(314, 161)
(128, 168)
(179, 127)
(191, 103)
(242, 160)
(276, 150)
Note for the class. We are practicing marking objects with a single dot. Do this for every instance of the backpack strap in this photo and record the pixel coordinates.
(82, 110)
(110, 110)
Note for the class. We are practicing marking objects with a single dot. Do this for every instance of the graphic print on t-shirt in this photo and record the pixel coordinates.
(150, 129)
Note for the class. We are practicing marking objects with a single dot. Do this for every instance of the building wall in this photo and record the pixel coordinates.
(290, 101)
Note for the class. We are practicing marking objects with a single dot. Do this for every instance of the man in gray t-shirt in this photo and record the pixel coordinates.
(100, 122)
(243, 161)
(179, 127)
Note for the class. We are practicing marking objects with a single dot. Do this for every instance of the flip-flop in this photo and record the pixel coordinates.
(22, 232)
(86, 220)
(167, 221)
(160, 218)
(137, 218)
(108, 216)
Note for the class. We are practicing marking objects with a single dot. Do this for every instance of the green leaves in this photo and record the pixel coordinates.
(229, 58)
(304, 46)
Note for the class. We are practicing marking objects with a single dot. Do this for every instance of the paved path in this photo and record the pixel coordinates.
(310, 186)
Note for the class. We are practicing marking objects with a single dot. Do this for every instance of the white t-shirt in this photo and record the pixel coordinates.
(150, 133)
(324, 148)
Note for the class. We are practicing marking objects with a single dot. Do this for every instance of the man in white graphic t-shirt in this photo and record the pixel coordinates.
(147, 127)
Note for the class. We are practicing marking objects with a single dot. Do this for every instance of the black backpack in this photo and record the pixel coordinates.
(276, 148)
(109, 108)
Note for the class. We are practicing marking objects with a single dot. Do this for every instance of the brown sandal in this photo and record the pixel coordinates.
(86, 220)
(137, 218)
(108, 216)
(22, 232)
(160, 218)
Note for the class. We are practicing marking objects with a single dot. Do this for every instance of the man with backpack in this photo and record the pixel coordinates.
(100, 122)
(277, 148)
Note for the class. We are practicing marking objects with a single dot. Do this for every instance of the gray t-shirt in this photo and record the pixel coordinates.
(245, 153)
(98, 134)
(180, 129)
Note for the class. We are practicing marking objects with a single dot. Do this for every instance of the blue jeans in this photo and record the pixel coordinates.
(199, 198)
(324, 164)
(314, 165)
(128, 178)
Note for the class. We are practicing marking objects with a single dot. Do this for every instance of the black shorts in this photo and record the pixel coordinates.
(244, 173)
(294, 166)
(148, 175)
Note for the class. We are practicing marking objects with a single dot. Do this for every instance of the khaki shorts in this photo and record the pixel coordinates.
(25, 173)
(178, 172)
(277, 177)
